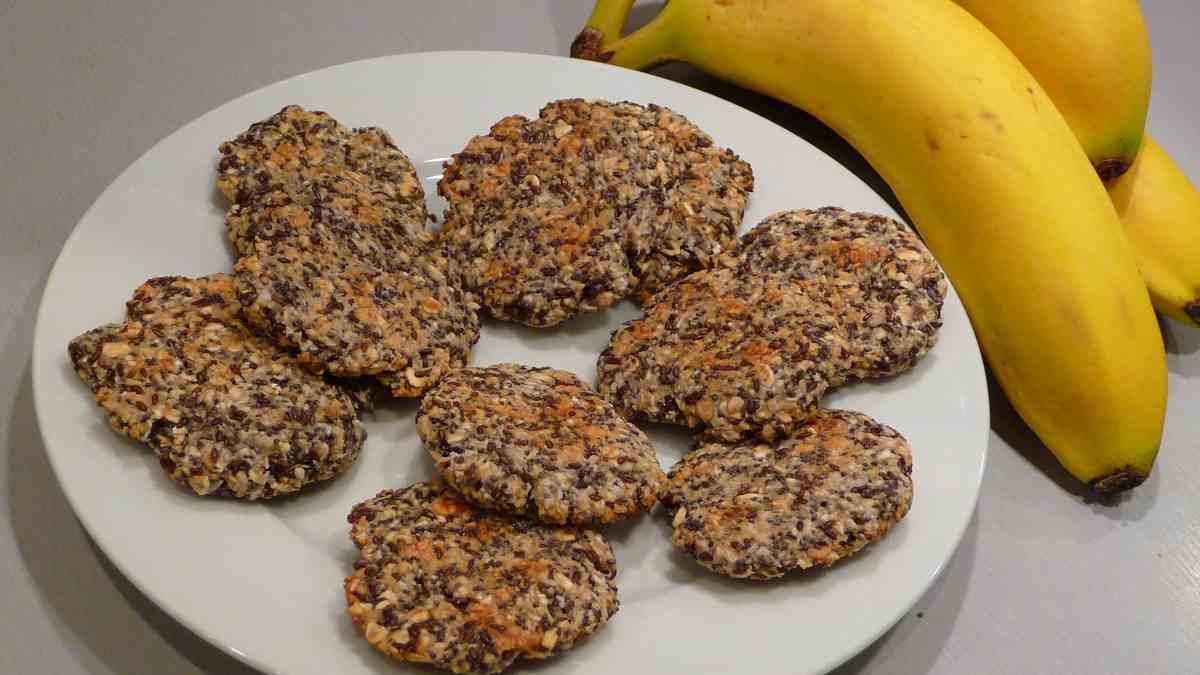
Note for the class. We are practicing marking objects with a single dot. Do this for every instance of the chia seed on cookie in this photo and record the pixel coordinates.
(761, 509)
(892, 286)
(588, 203)
(538, 442)
(227, 412)
(738, 355)
(439, 581)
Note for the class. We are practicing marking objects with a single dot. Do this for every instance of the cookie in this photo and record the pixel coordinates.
(587, 204)
(761, 509)
(537, 442)
(439, 581)
(678, 197)
(739, 355)
(329, 274)
(284, 150)
(892, 286)
(227, 412)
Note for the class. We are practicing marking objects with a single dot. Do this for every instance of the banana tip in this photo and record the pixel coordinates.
(1193, 310)
(589, 44)
(1112, 168)
(1117, 481)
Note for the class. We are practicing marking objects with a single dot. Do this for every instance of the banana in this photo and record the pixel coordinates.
(1093, 59)
(990, 173)
(1160, 208)
(1085, 51)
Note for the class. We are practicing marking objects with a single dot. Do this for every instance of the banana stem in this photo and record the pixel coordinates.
(608, 17)
(648, 46)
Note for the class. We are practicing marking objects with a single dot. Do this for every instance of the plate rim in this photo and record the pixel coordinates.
(40, 379)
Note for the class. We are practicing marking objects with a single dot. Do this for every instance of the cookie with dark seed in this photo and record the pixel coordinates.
(226, 411)
(538, 442)
(678, 197)
(523, 223)
(330, 271)
(588, 203)
(761, 509)
(892, 286)
(442, 582)
(739, 355)
(286, 149)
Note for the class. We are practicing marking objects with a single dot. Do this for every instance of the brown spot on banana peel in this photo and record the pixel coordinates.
(932, 142)
(1117, 481)
(1112, 168)
(991, 117)
(588, 45)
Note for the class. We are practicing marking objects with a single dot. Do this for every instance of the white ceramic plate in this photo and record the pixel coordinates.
(264, 581)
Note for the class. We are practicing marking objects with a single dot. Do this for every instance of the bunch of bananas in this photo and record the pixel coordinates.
(997, 125)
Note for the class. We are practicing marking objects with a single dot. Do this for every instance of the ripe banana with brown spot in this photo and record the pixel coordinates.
(991, 175)
(1093, 58)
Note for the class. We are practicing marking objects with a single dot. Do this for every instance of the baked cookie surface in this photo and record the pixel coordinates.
(226, 411)
(586, 204)
(739, 355)
(339, 195)
(288, 148)
(333, 275)
(892, 287)
(758, 510)
(439, 581)
(538, 442)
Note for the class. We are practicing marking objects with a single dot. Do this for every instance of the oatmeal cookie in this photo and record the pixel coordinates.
(892, 286)
(588, 203)
(758, 510)
(739, 355)
(332, 276)
(439, 581)
(286, 149)
(538, 442)
(227, 412)
(679, 197)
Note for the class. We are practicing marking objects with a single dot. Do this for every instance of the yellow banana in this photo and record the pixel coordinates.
(1089, 51)
(1160, 208)
(990, 173)
(1093, 59)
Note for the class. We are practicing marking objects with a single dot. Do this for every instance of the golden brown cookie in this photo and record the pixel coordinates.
(227, 412)
(538, 442)
(892, 287)
(288, 148)
(330, 273)
(588, 203)
(760, 509)
(739, 355)
(439, 581)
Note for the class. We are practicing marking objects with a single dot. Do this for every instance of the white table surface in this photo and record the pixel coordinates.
(1045, 580)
